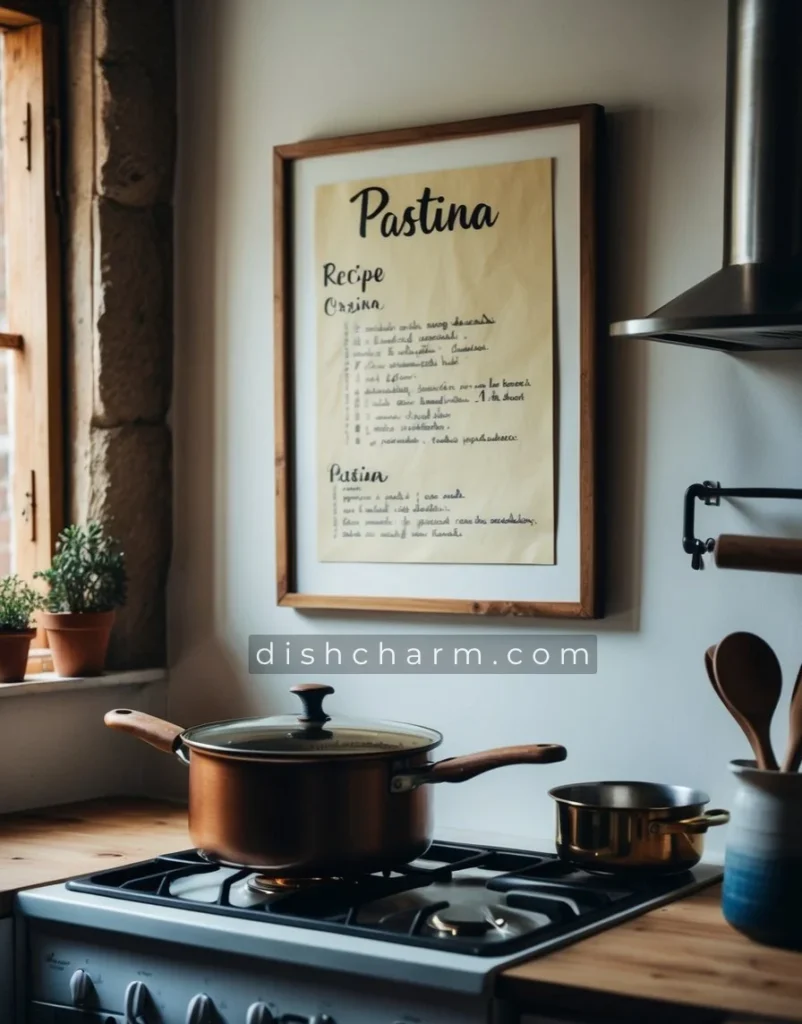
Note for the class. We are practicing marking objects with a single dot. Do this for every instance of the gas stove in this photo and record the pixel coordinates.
(180, 940)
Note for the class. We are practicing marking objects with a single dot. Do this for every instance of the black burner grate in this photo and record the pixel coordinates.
(568, 898)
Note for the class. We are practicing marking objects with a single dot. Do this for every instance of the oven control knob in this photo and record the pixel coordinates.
(201, 1010)
(258, 1013)
(137, 999)
(81, 988)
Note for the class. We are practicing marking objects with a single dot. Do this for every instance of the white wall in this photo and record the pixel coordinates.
(255, 73)
(55, 749)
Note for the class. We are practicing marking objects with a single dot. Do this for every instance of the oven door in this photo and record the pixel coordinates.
(42, 1013)
(6, 968)
(527, 1018)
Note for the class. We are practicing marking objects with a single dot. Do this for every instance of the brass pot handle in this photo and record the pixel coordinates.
(460, 769)
(692, 826)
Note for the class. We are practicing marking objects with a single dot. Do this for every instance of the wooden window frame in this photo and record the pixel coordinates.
(32, 153)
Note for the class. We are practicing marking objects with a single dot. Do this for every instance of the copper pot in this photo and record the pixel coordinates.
(311, 796)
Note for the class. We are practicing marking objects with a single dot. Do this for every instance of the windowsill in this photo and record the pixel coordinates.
(40, 662)
(49, 682)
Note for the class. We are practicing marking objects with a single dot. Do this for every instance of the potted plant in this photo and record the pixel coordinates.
(18, 602)
(87, 581)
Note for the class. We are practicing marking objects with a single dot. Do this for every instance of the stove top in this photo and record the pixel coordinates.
(470, 900)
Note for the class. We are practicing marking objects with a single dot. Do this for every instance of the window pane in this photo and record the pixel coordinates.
(7, 367)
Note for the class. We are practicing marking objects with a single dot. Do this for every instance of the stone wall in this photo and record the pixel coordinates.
(120, 63)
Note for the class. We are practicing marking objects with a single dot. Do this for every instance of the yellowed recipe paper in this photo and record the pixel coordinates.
(435, 367)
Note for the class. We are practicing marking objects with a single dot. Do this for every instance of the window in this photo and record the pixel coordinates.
(31, 458)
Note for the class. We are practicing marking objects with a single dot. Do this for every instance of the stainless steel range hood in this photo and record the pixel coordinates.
(755, 300)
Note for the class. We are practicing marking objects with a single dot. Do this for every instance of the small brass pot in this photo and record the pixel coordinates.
(632, 826)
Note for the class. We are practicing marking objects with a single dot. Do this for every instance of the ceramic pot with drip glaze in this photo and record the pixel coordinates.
(762, 894)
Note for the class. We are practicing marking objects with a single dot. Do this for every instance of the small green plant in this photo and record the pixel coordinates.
(87, 573)
(18, 602)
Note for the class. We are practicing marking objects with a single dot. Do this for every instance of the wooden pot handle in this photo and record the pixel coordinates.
(155, 731)
(760, 554)
(460, 769)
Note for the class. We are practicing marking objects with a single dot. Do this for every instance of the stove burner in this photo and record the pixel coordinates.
(452, 910)
(270, 886)
(458, 922)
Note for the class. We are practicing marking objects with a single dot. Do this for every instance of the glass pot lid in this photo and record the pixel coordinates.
(313, 733)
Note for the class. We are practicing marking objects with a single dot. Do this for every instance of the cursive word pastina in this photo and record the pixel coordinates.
(429, 214)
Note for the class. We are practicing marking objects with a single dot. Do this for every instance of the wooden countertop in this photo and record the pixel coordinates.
(39, 847)
(679, 962)
(681, 955)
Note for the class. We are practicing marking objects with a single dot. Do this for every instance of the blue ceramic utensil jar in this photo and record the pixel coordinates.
(763, 862)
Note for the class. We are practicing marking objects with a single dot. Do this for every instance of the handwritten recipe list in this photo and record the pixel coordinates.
(435, 382)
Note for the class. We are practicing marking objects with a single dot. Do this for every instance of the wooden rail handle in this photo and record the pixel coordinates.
(760, 554)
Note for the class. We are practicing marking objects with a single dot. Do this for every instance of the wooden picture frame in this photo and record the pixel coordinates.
(587, 120)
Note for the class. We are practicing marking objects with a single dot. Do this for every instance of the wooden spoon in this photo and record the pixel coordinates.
(710, 654)
(749, 681)
(793, 755)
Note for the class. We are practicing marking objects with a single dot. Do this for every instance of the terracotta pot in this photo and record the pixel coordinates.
(78, 641)
(14, 654)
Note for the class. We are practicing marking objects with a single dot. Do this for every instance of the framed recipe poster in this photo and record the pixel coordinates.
(436, 325)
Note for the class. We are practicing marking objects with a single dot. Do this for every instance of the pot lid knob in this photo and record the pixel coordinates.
(312, 696)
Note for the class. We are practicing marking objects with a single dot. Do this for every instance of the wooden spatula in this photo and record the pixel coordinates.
(793, 755)
(749, 681)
